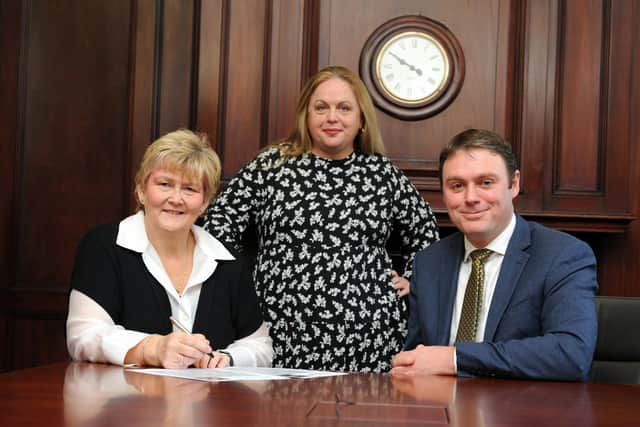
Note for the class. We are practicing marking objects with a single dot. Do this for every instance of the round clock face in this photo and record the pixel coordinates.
(412, 67)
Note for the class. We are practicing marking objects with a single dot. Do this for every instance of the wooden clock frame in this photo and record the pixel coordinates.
(434, 104)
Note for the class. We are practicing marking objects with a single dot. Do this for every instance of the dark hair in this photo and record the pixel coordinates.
(479, 138)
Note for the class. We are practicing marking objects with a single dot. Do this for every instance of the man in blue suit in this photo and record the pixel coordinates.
(521, 307)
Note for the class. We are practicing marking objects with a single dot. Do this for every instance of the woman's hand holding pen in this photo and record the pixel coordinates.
(177, 350)
(214, 360)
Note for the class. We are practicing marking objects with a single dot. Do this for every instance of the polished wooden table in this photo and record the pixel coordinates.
(84, 394)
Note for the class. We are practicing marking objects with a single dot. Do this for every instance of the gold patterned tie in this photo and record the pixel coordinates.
(472, 304)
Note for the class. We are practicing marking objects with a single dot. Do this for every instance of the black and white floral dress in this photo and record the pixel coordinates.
(323, 274)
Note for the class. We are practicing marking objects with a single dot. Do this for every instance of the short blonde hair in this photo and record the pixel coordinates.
(368, 140)
(184, 151)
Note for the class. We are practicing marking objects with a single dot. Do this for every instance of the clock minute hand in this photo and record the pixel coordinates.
(418, 71)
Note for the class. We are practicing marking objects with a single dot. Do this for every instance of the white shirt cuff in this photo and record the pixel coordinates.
(254, 350)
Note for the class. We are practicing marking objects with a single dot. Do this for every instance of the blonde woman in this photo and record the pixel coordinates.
(130, 278)
(324, 202)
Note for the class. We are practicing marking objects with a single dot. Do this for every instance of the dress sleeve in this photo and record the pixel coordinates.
(414, 221)
(235, 209)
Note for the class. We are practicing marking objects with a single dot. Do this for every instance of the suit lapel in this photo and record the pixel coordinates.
(512, 266)
(448, 286)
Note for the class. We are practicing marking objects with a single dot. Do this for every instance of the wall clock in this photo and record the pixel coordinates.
(413, 67)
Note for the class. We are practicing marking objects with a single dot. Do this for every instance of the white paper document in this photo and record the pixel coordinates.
(239, 374)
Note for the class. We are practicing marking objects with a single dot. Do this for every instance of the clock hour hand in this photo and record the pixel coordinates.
(418, 71)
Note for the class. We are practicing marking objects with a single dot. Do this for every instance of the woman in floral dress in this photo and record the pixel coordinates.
(324, 202)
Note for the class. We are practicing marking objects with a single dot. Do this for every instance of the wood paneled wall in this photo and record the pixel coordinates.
(86, 85)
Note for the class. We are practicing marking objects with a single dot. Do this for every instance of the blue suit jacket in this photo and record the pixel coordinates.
(542, 321)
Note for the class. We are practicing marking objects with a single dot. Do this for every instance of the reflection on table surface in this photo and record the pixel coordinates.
(85, 394)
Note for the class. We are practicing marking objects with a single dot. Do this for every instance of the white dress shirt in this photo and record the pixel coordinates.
(492, 265)
(92, 334)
